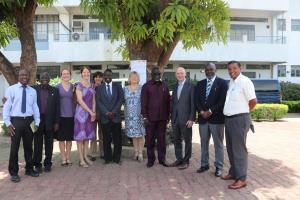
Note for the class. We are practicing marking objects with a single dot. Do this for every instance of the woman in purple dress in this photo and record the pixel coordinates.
(65, 133)
(85, 116)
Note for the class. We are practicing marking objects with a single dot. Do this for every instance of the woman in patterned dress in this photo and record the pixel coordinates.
(85, 116)
(133, 118)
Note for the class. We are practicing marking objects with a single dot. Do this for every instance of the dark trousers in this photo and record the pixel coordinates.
(40, 137)
(112, 133)
(156, 130)
(22, 130)
(236, 129)
(180, 132)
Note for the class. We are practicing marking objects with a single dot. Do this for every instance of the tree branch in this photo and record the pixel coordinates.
(7, 70)
(165, 56)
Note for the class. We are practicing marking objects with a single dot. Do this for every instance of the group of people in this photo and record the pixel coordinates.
(89, 110)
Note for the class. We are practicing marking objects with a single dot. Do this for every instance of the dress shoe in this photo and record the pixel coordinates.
(93, 158)
(118, 162)
(15, 178)
(218, 172)
(228, 177)
(183, 166)
(32, 173)
(150, 164)
(202, 169)
(175, 164)
(237, 185)
(39, 169)
(107, 162)
(164, 163)
(47, 169)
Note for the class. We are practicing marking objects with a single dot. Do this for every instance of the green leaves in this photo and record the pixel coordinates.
(7, 32)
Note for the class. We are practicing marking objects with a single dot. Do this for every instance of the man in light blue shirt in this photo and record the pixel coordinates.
(19, 110)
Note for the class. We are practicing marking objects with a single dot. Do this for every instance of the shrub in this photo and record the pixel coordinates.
(270, 112)
(290, 91)
(4, 130)
(57, 80)
(294, 106)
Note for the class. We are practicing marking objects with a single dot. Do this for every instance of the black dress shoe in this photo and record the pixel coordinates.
(15, 178)
(32, 173)
(164, 164)
(218, 172)
(107, 162)
(175, 164)
(202, 169)
(39, 170)
(150, 164)
(183, 166)
(47, 169)
(118, 162)
(93, 158)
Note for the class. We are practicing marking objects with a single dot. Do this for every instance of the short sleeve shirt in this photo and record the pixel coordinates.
(240, 92)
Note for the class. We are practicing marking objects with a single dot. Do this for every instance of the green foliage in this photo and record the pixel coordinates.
(195, 22)
(57, 80)
(7, 31)
(270, 112)
(290, 91)
(4, 130)
(294, 106)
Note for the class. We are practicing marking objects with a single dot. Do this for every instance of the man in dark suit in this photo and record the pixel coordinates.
(183, 115)
(210, 95)
(48, 103)
(109, 99)
(155, 101)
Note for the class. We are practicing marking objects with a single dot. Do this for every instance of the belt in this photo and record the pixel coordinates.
(23, 118)
(237, 115)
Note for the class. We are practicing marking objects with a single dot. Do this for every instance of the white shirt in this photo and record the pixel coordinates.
(240, 92)
(13, 104)
(180, 86)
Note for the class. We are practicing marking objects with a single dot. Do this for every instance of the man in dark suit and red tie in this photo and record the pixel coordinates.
(210, 95)
(155, 101)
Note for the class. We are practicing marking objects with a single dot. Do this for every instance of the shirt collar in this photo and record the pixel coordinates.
(212, 80)
(20, 85)
(181, 82)
(237, 78)
(110, 84)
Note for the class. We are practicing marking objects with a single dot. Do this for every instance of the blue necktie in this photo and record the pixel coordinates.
(109, 92)
(208, 87)
(23, 107)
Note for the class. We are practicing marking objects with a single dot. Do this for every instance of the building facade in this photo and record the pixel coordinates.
(264, 36)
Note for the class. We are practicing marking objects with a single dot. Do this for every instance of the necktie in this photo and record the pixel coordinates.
(179, 90)
(208, 87)
(23, 107)
(109, 92)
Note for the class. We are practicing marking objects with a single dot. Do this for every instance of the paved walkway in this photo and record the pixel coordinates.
(274, 173)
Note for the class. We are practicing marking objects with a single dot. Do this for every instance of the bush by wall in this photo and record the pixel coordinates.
(294, 106)
(270, 112)
(290, 91)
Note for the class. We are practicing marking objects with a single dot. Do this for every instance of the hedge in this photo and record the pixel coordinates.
(294, 106)
(290, 91)
(270, 112)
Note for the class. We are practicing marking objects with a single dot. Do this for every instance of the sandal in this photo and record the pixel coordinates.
(84, 165)
(88, 161)
(69, 162)
(64, 163)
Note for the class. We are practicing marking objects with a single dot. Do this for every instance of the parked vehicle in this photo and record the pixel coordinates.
(267, 90)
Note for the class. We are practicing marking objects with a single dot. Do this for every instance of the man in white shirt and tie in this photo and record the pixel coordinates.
(240, 100)
(19, 110)
(183, 116)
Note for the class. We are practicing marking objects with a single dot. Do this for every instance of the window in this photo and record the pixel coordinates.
(295, 25)
(92, 67)
(54, 71)
(237, 31)
(281, 24)
(250, 74)
(252, 66)
(248, 19)
(44, 24)
(295, 70)
(281, 71)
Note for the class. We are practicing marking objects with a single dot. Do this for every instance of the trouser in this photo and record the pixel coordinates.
(156, 130)
(43, 136)
(217, 132)
(236, 129)
(22, 130)
(112, 133)
(93, 143)
(180, 132)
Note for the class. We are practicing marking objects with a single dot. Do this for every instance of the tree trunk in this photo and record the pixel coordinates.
(24, 21)
(8, 70)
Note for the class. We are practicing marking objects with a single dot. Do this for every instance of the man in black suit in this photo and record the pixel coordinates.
(210, 95)
(109, 99)
(48, 103)
(183, 115)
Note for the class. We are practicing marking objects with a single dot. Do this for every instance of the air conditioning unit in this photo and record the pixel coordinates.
(75, 36)
(77, 25)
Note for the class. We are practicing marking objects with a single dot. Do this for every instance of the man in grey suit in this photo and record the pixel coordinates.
(183, 115)
(109, 99)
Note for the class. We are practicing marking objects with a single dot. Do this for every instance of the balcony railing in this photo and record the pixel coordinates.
(257, 39)
(81, 37)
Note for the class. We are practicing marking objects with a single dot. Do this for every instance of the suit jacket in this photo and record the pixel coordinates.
(183, 109)
(104, 105)
(52, 113)
(215, 100)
